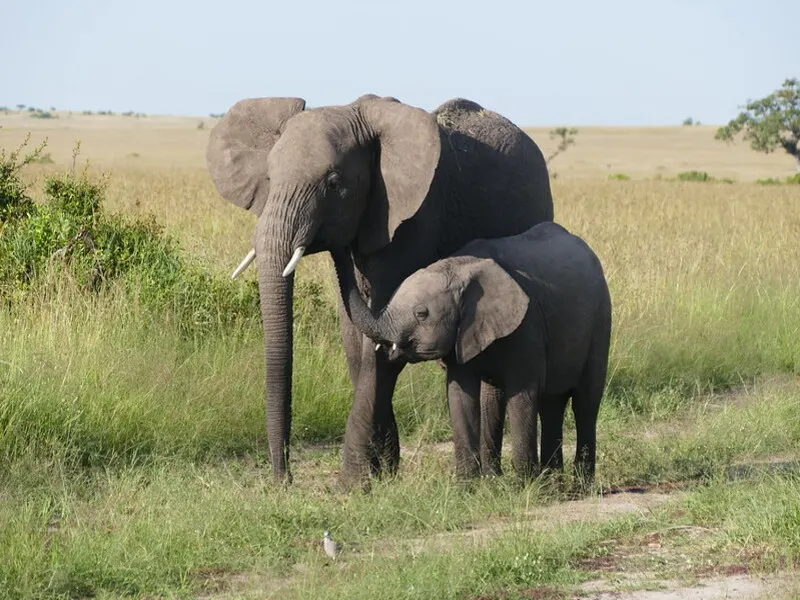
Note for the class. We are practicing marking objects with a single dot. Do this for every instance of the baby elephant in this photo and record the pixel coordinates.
(527, 316)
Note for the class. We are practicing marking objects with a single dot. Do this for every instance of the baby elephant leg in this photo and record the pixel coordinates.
(463, 398)
(551, 409)
(522, 413)
(493, 416)
(585, 407)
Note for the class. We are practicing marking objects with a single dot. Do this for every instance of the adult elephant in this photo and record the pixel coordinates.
(397, 188)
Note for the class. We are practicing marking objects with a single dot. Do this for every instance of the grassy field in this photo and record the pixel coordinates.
(132, 457)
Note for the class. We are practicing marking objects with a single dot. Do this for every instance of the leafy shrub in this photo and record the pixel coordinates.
(695, 176)
(70, 234)
(40, 114)
(791, 180)
(14, 201)
(702, 176)
(44, 159)
(688, 121)
(619, 177)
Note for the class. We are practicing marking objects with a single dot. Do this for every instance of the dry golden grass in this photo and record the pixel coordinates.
(647, 152)
(162, 142)
(666, 245)
(706, 290)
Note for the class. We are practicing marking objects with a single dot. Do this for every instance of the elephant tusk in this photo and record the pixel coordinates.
(394, 347)
(377, 347)
(244, 264)
(294, 261)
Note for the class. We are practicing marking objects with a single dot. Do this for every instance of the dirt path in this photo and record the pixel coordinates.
(728, 587)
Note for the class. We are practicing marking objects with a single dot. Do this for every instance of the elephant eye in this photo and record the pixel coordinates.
(334, 181)
(421, 313)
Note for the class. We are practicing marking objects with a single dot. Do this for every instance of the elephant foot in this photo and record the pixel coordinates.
(349, 483)
(360, 468)
(491, 467)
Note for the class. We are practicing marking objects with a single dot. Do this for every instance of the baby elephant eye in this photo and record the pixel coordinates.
(420, 312)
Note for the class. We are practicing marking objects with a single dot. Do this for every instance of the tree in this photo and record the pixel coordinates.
(771, 122)
(566, 134)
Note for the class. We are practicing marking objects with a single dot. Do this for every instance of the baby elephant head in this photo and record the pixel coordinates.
(460, 303)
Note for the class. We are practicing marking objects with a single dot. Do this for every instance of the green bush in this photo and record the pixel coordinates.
(791, 180)
(41, 114)
(619, 177)
(702, 176)
(695, 176)
(71, 236)
(14, 200)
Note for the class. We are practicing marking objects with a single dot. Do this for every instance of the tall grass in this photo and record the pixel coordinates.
(132, 455)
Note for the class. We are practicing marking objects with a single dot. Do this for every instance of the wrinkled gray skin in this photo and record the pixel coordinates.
(391, 187)
(531, 315)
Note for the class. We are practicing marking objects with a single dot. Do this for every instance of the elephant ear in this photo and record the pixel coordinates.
(408, 149)
(492, 307)
(239, 144)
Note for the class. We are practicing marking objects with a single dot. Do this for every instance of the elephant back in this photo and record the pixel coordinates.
(490, 153)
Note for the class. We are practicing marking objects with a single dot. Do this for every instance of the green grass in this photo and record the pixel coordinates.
(133, 457)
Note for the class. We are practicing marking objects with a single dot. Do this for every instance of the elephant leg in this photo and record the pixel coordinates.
(552, 408)
(585, 407)
(493, 416)
(522, 413)
(463, 398)
(371, 441)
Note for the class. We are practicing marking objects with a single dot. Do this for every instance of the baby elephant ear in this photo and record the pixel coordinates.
(492, 307)
(239, 144)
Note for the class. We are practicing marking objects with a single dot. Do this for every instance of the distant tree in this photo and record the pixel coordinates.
(771, 122)
(688, 121)
(566, 135)
(20, 107)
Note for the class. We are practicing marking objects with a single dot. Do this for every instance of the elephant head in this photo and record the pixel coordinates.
(318, 179)
(460, 304)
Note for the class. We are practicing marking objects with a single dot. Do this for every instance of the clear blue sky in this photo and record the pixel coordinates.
(565, 62)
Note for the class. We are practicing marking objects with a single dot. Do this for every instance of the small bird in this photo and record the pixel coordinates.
(332, 548)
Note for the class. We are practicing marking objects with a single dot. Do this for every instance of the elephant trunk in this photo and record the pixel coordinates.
(376, 328)
(274, 252)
